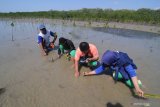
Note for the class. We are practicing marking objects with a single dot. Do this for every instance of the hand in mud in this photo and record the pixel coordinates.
(140, 92)
(44, 53)
(76, 74)
(85, 73)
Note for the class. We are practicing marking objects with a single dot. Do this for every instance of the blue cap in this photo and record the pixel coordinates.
(41, 26)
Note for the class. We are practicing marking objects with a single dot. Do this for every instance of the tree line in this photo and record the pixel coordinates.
(143, 15)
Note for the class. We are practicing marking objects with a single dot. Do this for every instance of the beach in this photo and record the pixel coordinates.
(33, 80)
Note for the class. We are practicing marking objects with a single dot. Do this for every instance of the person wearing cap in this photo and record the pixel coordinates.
(44, 39)
(87, 55)
(66, 46)
(122, 67)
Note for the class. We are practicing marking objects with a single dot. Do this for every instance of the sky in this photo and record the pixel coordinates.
(45, 5)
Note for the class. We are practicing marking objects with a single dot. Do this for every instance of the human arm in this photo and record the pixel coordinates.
(137, 88)
(76, 69)
(42, 49)
(98, 70)
(53, 35)
(41, 45)
(134, 79)
(76, 63)
(94, 58)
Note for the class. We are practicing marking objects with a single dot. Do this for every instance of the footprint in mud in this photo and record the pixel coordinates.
(17, 45)
(2, 90)
(53, 59)
(102, 41)
(74, 35)
(151, 49)
(61, 86)
(30, 50)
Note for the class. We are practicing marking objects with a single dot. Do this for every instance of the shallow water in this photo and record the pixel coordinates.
(128, 33)
(31, 80)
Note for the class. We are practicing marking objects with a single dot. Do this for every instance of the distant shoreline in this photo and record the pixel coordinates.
(130, 26)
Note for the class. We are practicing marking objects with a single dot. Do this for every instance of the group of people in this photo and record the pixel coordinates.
(119, 63)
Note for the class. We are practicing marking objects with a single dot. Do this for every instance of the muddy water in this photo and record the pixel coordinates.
(31, 80)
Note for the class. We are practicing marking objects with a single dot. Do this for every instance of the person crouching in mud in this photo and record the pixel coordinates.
(67, 47)
(87, 55)
(44, 39)
(122, 67)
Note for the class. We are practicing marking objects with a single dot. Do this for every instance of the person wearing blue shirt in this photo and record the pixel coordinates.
(123, 67)
(44, 39)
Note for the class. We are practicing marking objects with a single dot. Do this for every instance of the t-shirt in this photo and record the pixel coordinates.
(92, 52)
(45, 37)
(129, 69)
(68, 45)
